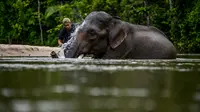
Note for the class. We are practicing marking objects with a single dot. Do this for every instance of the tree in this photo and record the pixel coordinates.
(39, 19)
(25, 18)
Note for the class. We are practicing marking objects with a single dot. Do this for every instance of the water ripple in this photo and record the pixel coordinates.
(93, 68)
(95, 65)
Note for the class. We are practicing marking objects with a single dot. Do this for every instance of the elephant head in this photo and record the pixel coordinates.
(96, 34)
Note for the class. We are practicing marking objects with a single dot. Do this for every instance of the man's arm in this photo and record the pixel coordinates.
(60, 42)
(60, 37)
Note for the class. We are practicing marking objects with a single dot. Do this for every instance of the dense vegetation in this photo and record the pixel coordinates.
(38, 22)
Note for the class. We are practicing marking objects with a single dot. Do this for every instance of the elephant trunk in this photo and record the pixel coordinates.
(73, 51)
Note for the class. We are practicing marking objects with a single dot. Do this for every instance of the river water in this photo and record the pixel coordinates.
(42, 84)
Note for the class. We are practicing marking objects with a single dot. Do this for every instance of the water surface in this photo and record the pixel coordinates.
(42, 84)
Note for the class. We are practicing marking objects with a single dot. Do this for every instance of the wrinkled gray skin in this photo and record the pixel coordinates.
(107, 37)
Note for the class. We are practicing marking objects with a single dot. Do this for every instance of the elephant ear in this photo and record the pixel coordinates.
(117, 32)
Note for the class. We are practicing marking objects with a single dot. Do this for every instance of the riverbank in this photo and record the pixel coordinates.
(26, 50)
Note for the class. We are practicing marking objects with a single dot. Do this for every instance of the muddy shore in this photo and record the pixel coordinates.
(26, 50)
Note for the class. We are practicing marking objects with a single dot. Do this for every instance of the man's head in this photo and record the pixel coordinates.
(67, 23)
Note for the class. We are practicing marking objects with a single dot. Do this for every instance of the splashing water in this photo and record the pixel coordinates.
(68, 47)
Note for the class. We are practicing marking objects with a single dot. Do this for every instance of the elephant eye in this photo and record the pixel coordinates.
(92, 32)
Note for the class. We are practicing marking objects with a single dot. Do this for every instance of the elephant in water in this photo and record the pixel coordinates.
(108, 37)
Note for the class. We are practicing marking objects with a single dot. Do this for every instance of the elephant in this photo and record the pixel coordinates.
(108, 37)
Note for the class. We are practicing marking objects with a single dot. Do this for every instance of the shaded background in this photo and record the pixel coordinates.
(38, 22)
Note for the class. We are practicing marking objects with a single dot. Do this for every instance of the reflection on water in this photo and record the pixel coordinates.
(42, 84)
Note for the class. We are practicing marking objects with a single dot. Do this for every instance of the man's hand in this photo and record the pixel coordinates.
(60, 45)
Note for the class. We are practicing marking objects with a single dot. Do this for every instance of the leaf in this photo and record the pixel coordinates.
(51, 10)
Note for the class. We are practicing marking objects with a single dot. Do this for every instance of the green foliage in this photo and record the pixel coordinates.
(180, 20)
(185, 28)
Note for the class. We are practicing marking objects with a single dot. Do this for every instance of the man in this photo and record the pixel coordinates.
(64, 37)
(65, 32)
